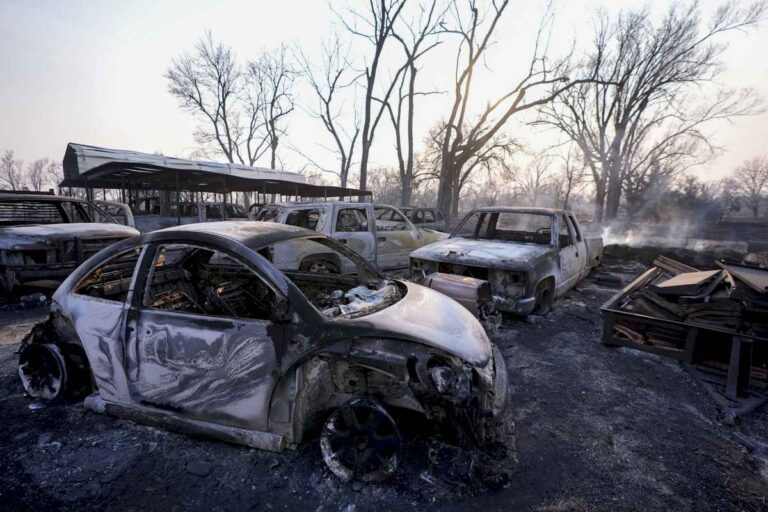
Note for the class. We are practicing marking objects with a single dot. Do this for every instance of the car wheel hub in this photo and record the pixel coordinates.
(360, 441)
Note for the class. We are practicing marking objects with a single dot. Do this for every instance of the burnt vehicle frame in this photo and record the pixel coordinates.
(314, 364)
(44, 253)
(509, 275)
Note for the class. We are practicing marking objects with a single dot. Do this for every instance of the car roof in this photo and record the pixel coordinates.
(351, 204)
(248, 232)
(520, 209)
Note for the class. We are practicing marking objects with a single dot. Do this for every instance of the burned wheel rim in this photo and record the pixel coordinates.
(360, 441)
(43, 372)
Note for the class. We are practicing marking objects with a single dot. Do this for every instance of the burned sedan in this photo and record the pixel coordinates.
(509, 259)
(214, 329)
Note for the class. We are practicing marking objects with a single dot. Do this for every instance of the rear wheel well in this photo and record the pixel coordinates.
(308, 261)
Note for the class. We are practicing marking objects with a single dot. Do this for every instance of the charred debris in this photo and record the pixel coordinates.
(715, 321)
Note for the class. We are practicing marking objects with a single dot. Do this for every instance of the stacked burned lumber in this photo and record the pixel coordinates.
(732, 297)
(716, 319)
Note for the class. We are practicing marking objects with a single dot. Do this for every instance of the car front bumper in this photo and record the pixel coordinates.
(518, 306)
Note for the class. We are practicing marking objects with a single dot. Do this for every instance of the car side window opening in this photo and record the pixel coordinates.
(335, 280)
(429, 216)
(268, 215)
(564, 234)
(575, 227)
(112, 279)
(190, 279)
(390, 220)
(313, 219)
(350, 220)
(26, 212)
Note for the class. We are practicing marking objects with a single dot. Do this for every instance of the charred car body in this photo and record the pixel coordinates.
(44, 237)
(518, 260)
(207, 329)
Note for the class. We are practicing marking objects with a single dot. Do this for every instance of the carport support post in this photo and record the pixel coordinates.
(178, 200)
(739, 367)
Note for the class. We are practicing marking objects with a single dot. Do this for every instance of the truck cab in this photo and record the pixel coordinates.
(528, 256)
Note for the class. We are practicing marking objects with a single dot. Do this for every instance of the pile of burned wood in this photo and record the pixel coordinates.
(733, 296)
(715, 319)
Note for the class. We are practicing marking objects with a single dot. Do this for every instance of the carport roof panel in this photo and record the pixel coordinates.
(81, 161)
(111, 168)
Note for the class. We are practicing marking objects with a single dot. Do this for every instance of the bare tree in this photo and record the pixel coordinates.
(492, 157)
(464, 138)
(570, 178)
(328, 81)
(534, 179)
(11, 171)
(635, 120)
(36, 172)
(417, 37)
(751, 180)
(270, 80)
(375, 25)
(207, 83)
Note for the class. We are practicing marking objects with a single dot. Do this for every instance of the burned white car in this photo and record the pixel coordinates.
(208, 329)
(509, 259)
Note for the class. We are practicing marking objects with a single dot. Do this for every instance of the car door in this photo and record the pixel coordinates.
(396, 238)
(353, 226)
(581, 247)
(200, 337)
(97, 307)
(568, 255)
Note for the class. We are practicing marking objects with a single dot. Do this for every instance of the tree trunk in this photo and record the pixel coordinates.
(444, 193)
(599, 201)
(613, 197)
(364, 162)
(406, 191)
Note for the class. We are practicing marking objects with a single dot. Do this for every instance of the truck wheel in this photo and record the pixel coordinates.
(544, 299)
(360, 441)
(319, 266)
(51, 376)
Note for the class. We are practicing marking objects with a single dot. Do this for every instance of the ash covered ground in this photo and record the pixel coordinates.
(587, 428)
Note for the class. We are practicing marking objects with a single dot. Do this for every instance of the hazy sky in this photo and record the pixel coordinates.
(92, 72)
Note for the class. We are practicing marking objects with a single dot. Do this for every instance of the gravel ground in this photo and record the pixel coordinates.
(587, 428)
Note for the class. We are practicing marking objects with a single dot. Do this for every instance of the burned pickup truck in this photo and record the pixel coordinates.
(44, 237)
(208, 329)
(379, 233)
(509, 259)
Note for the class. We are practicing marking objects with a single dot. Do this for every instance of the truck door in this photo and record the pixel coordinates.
(568, 255)
(353, 226)
(396, 238)
(581, 245)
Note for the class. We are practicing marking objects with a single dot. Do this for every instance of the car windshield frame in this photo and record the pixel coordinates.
(491, 218)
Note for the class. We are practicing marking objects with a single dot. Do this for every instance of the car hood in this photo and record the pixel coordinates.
(431, 318)
(484, 253)
(45, 233)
